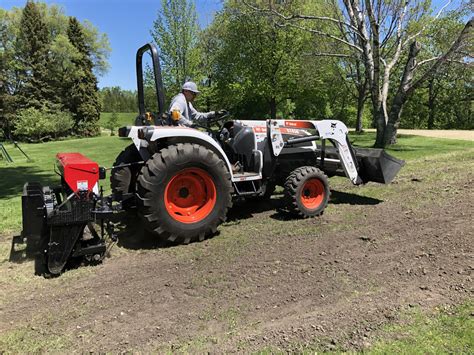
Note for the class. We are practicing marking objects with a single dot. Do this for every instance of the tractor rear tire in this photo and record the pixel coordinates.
(184, 193)
(307, 192)
(124, 179)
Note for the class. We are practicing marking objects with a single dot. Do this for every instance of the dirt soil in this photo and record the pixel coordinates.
(267, 281)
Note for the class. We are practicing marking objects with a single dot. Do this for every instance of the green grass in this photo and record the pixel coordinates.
(414, 147)
(446, 332)
(31, 341)
(124, 118)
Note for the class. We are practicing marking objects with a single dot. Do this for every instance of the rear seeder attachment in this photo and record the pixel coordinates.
(60, 222)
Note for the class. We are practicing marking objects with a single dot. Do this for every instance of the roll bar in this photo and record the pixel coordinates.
(160, 96)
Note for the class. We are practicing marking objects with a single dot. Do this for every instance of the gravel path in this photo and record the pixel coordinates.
(437, 133)
(441, 133)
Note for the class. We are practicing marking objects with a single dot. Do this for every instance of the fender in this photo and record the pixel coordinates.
(184, 135)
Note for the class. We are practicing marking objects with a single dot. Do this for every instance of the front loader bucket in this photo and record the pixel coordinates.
(376, 165)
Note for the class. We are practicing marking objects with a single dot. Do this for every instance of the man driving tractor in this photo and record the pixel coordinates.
(183, 113)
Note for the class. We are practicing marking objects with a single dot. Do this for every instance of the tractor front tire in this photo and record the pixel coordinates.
(307, 192)
(123, 179)
(184, 193)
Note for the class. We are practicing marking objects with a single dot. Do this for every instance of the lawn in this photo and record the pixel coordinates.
(446, 331)
(124, 118)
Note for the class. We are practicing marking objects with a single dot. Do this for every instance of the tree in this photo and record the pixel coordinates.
(256, 66)
(7, 80)
(381, 34)
(32, 55)
(16, 73)
(118, 100)
(83, 91)
(443, 102)
(112, 122)
(175, 32)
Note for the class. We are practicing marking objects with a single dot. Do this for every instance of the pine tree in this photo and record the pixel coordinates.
(83, 92)
(33, 59)
(3, 99)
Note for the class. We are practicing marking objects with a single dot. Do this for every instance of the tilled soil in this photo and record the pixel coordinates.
(330, 282)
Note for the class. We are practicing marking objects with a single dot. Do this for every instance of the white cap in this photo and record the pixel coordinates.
(190, 86)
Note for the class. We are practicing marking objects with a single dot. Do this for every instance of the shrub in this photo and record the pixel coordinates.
(87, 129)
(44, 124)
(112, 122)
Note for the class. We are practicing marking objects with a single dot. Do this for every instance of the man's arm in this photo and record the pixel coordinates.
(200, 117)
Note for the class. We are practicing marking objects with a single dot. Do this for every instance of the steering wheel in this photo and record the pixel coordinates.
(209, 123)
(218, 118)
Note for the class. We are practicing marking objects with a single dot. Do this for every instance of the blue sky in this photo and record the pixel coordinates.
(127, 24)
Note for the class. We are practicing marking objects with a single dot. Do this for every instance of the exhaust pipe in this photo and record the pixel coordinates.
(377, 166)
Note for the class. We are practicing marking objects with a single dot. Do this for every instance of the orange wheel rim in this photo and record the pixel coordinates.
(312, 194)
(190, 195)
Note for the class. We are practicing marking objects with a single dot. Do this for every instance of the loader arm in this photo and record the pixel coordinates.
(360, 165)
(337, 133)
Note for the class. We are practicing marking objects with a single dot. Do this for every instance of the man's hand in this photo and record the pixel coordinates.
(221, 113)
(215, 116)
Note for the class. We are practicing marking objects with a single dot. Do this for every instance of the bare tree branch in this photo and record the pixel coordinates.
(412, 37)
(321, 33)
(464, 37)
(428, 60)
(300, 16)
(338, 55)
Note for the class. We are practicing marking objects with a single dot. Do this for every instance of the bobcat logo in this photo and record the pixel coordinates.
(333, 125)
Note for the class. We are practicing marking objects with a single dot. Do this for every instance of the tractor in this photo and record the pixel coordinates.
(182, 181)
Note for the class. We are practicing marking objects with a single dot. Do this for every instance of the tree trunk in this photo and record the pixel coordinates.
(360, 112)
(431, 104)
(273, 109)
(360, 108)
(403, 92)
(390, 135)
(208, 99)
(380, 125)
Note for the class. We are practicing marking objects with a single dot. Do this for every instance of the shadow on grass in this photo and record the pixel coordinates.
(26, 249)
(133, 235)
(247, 209)
(340, 198)
(12, 179)
(22, 250)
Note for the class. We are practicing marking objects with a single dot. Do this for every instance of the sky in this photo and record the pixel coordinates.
(127, 23)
